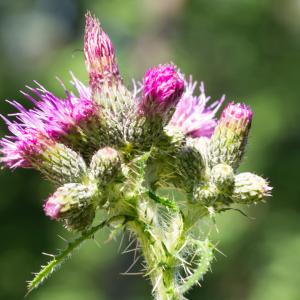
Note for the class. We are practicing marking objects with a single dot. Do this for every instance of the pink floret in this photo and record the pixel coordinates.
(192, 115)
(50, 119)
(162, 88)
(238, 113)
(52, 208)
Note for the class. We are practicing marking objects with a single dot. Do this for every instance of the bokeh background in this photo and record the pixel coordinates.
(247, 49)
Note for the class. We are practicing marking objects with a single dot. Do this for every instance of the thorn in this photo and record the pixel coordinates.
(132, 274)
(131, 266)
(220, 252)
(128, 246)
(47, 254)
(62, 238)
(97, 243)
(121, 243)
(157, 283)
(131, 250)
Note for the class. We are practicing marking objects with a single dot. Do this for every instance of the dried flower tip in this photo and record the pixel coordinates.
(105, 165)
(99, 55)
(162, 88)
(228, 142)
(250, 188)
(192, 115)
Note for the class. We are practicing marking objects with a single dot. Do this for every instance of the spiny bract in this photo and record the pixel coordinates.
(155, 160)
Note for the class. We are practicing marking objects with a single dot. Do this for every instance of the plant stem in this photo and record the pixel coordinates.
(160, 263)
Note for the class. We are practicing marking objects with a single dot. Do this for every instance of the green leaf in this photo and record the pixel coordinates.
(58, 259)
(205, 251)
(163, 201)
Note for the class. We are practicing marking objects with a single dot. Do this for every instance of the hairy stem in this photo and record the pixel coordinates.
(58, 259)
(161, 265)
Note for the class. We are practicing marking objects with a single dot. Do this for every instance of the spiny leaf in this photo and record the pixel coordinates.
(205, 251)
(58, 259)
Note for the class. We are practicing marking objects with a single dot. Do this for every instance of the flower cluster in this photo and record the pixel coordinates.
(155, 161)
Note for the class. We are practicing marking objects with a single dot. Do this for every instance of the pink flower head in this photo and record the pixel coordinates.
(52, 208)
(162, 88)
(60, 116)
(99, 55)
(33, 130)
(237, 115)
(192, 116)
(19, 150)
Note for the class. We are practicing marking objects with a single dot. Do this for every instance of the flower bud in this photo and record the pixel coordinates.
(99, 55)
(74, 204)
(60, 164)
(173, 139)
(250, 188)
(55, 161)
(162, 88)
(190, 166)
(202, 146)
(206, 194)
(223, 177)
(105, 166)
(230, 136)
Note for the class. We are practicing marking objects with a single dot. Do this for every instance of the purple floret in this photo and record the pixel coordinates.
(51, 118)
(192, 115)
(162, 88)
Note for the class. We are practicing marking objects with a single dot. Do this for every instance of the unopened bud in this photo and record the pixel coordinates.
(105, 165)
(59, 164)
(223, 177)
(190, 166)
(250, 188)
(74, 204)
(206, 194)
(172, 139)
(100, 55)
(230, 136)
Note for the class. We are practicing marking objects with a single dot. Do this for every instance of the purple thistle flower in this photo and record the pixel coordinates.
(99, 55)
(61, 115)
(162, 88)
(51, 119)
(192, 116)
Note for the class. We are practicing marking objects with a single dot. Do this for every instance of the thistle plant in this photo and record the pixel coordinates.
(155, 160)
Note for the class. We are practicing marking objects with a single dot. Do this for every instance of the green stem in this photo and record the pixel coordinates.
(160, 263)
(58, 259)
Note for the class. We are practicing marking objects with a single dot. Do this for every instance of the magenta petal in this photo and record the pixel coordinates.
(192, 115)
(162, 88)
(52, 209)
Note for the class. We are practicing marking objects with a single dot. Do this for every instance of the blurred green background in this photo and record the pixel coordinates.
(247, 49)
